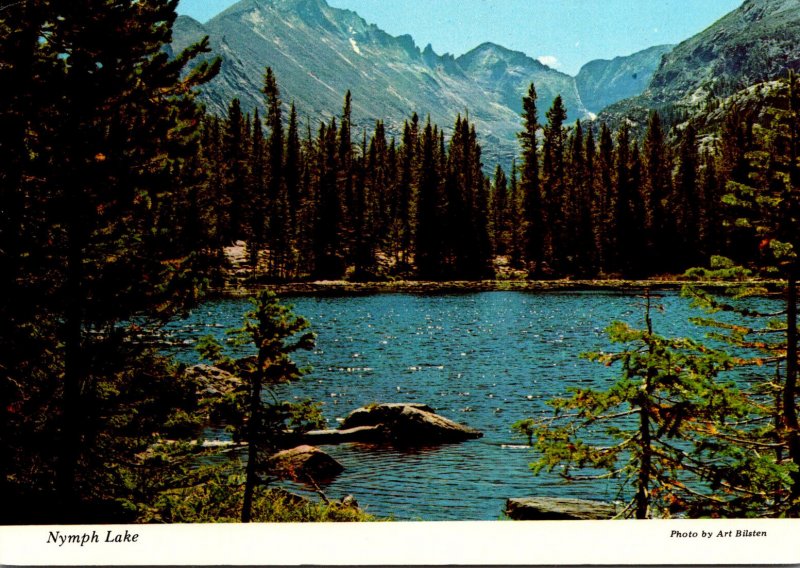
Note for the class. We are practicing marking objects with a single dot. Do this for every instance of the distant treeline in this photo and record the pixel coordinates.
(581, 201)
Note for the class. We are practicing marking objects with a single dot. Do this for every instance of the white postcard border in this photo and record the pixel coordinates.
(693, 542)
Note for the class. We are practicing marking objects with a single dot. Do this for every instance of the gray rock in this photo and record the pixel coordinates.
(302, 463)
(212, 381)
(410, 424)
(557, 509)
(357, 434)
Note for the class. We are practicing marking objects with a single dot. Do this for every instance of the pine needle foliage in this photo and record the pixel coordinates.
(680, 440)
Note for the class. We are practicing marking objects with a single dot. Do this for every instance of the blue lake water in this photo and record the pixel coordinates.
(483, 359)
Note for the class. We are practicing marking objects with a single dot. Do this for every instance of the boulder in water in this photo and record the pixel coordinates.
(304, 462)
(558, 509)
(409, 424)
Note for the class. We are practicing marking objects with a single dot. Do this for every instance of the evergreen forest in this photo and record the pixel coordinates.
(119, 195)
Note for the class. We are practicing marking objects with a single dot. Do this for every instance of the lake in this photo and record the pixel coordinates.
(483, 359)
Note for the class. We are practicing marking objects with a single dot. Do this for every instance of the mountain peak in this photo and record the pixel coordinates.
(489, 53)
(299, 7)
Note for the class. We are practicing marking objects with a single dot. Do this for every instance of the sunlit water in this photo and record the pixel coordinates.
(483, 359)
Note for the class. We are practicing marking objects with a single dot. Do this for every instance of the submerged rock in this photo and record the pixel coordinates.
(357, 434)
(409, 424)
(304, 462)
(557, 509)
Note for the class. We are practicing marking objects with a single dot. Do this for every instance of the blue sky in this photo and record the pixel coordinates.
(564, 34)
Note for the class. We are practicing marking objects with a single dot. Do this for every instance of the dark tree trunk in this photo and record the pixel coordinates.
(789, 391)
(251, 479)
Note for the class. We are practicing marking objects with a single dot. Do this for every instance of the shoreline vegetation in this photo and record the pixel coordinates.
(238, 282)
(345, 287)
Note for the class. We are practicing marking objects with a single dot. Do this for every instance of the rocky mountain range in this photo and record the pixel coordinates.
(319, 52)
(757, 42)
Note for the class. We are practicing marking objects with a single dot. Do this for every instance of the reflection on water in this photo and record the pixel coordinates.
(485, 359)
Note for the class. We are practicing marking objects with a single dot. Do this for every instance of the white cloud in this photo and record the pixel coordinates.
(549, 60)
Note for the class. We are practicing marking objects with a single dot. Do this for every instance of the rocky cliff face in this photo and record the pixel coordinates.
(603, 82)
(759, 41)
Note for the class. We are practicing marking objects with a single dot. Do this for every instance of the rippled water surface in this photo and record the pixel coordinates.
(484, 359)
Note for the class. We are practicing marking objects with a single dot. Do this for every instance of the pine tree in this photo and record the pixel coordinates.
(379, 185)
(579, 236)
(344, 177)
(256, 201)
(280, 230)
(771, 203)
(276, 333)
(466, 231)
(605, 199)
(235, 162)
(658, 191)
(711, 196)
(213, 196)
(630, 215)
(554, 191)
(592, 242)
(407, 192)
(529, 184)
(429, 241)
(517, 220)
(482, 264)
(328, 242)
(687, 200)
(766, 209)
(90, 198)
(293, 180)
(676, 437)
(363, 251)
(501, 204)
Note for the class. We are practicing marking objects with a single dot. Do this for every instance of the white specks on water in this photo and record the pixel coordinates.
(421, 344)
